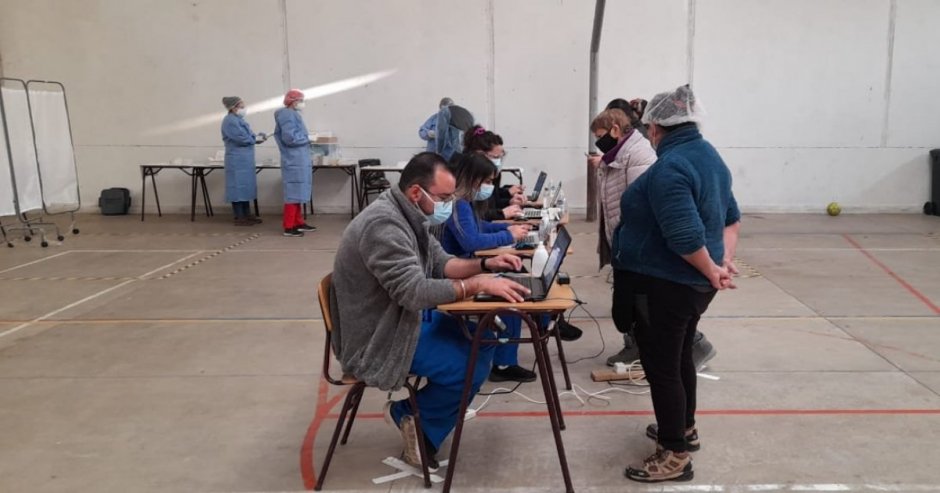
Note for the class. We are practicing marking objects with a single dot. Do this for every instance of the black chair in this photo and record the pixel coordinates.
(370, 182)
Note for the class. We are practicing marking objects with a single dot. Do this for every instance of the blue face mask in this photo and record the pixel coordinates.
(441, 212)
(498, 162)
(485, 191)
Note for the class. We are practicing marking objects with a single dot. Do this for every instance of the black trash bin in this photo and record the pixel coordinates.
(932, 207)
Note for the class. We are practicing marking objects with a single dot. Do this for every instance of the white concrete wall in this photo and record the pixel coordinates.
(809, 100)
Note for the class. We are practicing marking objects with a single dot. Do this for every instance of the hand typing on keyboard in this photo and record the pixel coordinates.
(502, 287)
(519, 231)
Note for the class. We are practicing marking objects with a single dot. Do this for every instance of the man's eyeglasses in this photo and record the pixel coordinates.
(439, 198)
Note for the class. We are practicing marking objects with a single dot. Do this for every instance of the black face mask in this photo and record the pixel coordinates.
(606, 143)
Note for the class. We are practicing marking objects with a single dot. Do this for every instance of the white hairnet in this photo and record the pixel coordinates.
(672, 108)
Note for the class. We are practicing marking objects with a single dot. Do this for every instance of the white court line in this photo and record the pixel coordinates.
(673, 488)
(35, 261)
(134, 251)
(91, 297)
(836, 249)
(749, 488)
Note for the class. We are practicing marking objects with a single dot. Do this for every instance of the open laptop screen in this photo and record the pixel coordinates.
(559, 249)
(539, 183)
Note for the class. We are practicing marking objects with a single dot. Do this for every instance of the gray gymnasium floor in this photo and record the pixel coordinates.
(178, 356)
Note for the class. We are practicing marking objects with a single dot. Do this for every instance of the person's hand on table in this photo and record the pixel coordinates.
(517, 199)
(506, 262)
(512, 211)
(519, 231)
(503, 287)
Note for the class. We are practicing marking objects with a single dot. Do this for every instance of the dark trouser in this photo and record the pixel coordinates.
(622, 313)
(666, 315)
(241, 210)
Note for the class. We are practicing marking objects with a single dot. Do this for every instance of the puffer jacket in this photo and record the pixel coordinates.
(635, 156)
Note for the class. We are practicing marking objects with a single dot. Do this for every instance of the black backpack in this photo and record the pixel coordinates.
(114, 201)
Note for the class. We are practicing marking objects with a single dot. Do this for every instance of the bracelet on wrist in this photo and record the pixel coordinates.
(483, 265)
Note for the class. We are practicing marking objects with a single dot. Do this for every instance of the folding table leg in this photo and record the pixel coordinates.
(464, 403)
(551, 381)
(156, 196)
(561, 359)
(143, 192)
(551, 401)
(192, 202)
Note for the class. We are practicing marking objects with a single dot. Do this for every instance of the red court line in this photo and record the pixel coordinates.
(700, 412)
(322, 412)
(891, 273)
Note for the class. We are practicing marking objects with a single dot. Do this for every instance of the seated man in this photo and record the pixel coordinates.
(388, 269)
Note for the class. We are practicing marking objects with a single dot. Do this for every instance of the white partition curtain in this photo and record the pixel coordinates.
(54, 149)
(28, 190)
(7, 193)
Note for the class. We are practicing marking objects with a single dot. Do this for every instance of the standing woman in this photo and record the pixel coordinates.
(293, 140)
(241, 184)
(672, 252)
(627, 154)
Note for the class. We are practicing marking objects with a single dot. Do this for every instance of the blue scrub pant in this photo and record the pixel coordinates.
(441, 358)
(508, 354)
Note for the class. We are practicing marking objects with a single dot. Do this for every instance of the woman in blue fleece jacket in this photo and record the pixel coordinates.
(672, 252)
(465, 232)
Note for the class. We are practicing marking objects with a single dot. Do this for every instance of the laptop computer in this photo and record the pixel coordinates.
(539, 286)
(539, 183)
(536, 213)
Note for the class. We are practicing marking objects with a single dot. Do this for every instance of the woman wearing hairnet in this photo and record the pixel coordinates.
(241, 185)
(672, 253)
(627, 155)
(293, 140)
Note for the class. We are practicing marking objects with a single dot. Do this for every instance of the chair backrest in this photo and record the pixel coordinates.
(323, 294)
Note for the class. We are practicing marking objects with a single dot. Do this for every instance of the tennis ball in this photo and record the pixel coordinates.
(833, 209)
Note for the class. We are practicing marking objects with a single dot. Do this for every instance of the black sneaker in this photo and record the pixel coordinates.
(514, 373)
(293, 232)
(692, 443)
(627, 355)
(702, 351)
(568, 332)
(306, 227)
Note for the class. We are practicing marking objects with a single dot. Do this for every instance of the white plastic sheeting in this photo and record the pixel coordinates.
(7, 207)
(54, 147)
(20, 133)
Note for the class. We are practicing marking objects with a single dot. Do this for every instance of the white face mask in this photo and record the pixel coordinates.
(299, 105)
(241, 112)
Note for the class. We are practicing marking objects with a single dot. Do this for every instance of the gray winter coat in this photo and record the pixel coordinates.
(387, 270)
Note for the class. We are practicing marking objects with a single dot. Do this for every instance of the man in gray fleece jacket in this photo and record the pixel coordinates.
(388, 270)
